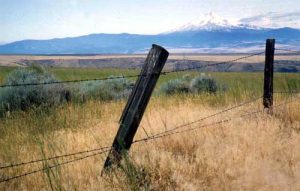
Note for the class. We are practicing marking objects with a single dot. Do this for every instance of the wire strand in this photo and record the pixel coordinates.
(53, 166)
(130, 76)
(101, 148)
(153, 137)
(288, 92)
(215, 64)
(173, 131)
(213, 115)
(288, 50)
(51, 158)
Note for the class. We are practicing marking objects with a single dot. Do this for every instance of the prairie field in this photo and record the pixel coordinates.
(283, 62)
(243, 148)
(16, 60)
(179, 95)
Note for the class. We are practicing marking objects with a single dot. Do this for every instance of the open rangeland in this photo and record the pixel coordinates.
(283, 62)
(241, 149)
(254, 152)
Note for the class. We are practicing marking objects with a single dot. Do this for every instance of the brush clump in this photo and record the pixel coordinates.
(195, 85)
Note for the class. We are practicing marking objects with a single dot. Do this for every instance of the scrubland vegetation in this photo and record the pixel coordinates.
(254, 152)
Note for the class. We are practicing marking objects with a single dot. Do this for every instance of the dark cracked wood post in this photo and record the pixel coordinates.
(268, 76)
(137, 103)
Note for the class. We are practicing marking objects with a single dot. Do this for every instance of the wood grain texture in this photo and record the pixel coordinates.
(137, 103)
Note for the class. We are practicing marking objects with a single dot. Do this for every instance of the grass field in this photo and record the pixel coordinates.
(14, 60)
(240, 86)
(257, 152)
(247, 81)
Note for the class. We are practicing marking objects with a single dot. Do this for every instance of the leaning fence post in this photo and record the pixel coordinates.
(137, 104)
(268, 75)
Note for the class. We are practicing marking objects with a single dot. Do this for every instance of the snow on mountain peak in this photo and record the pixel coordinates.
(208, 22)
(213, 22)
(212, 19)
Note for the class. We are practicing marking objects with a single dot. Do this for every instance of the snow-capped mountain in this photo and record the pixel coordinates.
(211, 33)
(209, 22)
(214, 22)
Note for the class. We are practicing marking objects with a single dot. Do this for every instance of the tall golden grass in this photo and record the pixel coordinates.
(256, 152)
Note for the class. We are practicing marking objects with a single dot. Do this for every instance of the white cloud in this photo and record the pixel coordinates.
(274, 20)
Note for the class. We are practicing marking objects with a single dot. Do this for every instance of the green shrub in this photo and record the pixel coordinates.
(187, 84)
(175, 86)
(45, 96)
(26, 97)
(203, 84)
(101, 90)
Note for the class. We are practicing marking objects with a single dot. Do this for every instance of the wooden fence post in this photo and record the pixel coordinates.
(137, 103)
(268, 75)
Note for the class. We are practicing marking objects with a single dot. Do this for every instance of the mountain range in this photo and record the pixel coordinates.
(210, 34)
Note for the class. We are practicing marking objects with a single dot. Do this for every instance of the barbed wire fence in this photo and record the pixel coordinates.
(175, 130)
(288, 50)
(131, 76)
(166, 133)
(135, 76)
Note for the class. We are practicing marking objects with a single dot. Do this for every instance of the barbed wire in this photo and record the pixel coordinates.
(153, 137)
(169, 132)
(215, 64)
(213, 115)
(53, 166)
(288, 92)
(106, 147)
(288, 50)
(101, 148)
(130, 76)
(70, 81)
(156, 136)
(173, 131)
(51, 158)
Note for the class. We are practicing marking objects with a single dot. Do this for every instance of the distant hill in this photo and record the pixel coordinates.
(210, 34)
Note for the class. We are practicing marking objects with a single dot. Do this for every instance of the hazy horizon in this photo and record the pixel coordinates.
(47, 19)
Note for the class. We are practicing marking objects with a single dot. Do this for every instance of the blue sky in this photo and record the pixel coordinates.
(43, 19)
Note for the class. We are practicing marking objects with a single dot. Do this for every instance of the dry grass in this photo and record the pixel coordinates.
(14, 60)
(258, 152)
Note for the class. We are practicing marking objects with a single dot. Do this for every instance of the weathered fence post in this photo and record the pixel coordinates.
(137, 103)
(268, 75)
